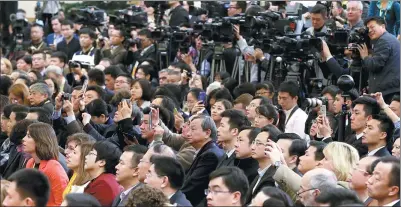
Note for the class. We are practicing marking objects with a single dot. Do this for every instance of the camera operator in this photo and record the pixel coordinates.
(88, 52)
(113, 48)
(147, 50)
(338, 13)
(329, 64)
(318, 15)
(178, 15)
(236, 7)
(384, 63)
(36, 42)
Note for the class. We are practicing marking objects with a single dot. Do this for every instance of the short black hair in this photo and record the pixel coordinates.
(42, 52)
(167, 102)
(263, 100)
(195, 92)
(32, 183)
(68, 22)
(145, 32)
(128, 77)
(61, 56)
(108, 152)
(273, 202)
(146, 88)
(319, 145)
(290, 136)
(82, 199)
(27, 59)
(244, 88)
(88, 31)
(377, 19)
(370, 105)
(18, 132)
(395, 170)
(273, 131)
(386, 125)
(99, 90)
(290, 87)
(113, 71)
(278, 194)
(353, 93)
(396, 98)
(222, 93)
(170, 167)
(338, 197)
(5, 84)
(331, 89)
(43, 115)
(20, 111)
(234, 179)
(97, 76)
(98, 107)
(266, 85)
(253, 133)
(298, 148)
(236, 118)
(242, 5)
(138, 150)
(319, 9)
(268, 111)
(147, 69)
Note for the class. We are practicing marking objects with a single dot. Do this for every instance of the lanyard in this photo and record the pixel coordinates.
(292, 112)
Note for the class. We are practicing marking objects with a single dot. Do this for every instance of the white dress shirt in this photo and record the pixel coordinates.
(296, 123)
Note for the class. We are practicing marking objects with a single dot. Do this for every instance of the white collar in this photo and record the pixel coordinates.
(169, 197)
(392, 203)
(358, 136)
(289, 111)
(229, 153)
(262, 172)
(371, 153)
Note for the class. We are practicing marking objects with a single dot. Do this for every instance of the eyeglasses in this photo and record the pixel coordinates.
(214, 192)
(257, 143)
(299, 193)
(92, 153)
(141, 160)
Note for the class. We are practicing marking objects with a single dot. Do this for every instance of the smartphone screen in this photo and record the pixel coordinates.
(323, 110)
(150, 119)
(202, 97)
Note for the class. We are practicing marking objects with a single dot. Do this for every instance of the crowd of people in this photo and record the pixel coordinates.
(128, 131)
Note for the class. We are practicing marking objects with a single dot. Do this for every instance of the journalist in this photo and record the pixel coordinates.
(140, 52)
(354, 15)
(113, 47)
(318, 15)
(178, 15)
(383, 64)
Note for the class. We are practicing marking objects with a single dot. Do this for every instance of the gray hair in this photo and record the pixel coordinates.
(359, 4)
(163, 150)
(42, 88)
(164, 71)
(207, 123)
(323, 180)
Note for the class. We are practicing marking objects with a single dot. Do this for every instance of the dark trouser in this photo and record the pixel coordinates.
(47, 21)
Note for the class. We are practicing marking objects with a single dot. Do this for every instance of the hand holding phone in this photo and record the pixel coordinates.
(202, 97)
(322, 111)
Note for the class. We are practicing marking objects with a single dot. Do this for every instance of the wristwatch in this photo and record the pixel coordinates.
(277, 164)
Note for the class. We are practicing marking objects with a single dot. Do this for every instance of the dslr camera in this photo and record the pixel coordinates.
(315, 102)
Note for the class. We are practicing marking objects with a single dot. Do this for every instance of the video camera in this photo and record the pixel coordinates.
(315, 102)
(357, 37)
(76, 64)
(132, 17)
(90, 16)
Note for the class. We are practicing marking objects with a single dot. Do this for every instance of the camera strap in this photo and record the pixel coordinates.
(292, 112)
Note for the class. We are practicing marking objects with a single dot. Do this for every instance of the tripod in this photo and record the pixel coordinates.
(343, 117)
(163, 51)
(217, 62)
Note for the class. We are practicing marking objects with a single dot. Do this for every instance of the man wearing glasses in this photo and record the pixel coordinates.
(313, 183)
(359, 177)
(227, 187)
(236, 7)
(147, 50)
(354, 14)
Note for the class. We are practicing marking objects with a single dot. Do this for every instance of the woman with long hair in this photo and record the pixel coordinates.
(141, 92)
(77, 147)
(18, 94)
(41, 143)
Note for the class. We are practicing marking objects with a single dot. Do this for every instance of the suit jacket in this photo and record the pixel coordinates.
(67, 88)
(116, 55)
(133, 57)
(266, 180)
(118, 202)
(226, 161)
(332, 66)
(328, 140)
(397, 204)
(104, 188)
(180, 199)
(382, 152)
(197, 177)
(357, 143)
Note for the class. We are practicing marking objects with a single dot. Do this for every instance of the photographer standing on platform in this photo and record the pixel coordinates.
(384, 63)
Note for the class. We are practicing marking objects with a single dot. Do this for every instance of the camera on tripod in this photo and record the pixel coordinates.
(90, 16)
(132, 17)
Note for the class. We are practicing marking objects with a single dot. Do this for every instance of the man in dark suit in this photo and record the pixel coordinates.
(293, 147)
(377, 134)
(97, 77)
(167, 174)
(227, 187)
(266, 169)
(362, 110)
(228, 131)
(114, 48)
(147, 50)
(384, 185)
(127, 172)
(70, 43)
(201, 135)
